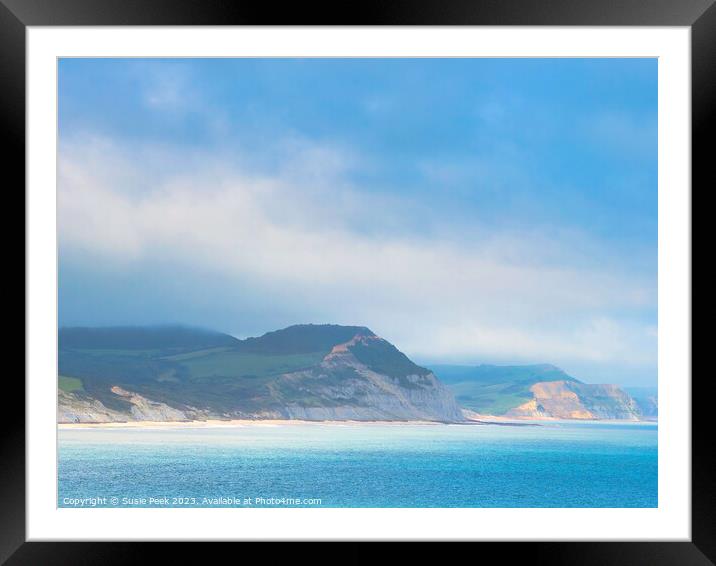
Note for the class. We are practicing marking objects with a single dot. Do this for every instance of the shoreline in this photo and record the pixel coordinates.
(211, 423)
(240, 423)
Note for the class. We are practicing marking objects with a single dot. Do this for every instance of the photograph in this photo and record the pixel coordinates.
(357, 282)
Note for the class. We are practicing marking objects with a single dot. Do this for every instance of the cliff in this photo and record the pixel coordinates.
(541, 391)
(307, 372)
(571, 400)
(359, 390)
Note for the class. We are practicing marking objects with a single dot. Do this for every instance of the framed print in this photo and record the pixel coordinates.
(421, 276)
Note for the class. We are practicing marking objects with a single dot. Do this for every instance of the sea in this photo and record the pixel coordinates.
(546, 464)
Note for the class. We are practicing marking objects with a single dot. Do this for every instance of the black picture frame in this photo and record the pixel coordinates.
(16, 15)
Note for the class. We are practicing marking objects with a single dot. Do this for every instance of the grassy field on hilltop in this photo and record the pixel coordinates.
(239, 364)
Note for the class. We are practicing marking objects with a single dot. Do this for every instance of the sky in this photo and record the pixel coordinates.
(467, 210)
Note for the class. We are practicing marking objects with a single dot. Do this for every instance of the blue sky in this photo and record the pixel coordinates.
(469, 210)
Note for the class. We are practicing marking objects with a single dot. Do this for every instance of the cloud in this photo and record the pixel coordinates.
(304, 235)
(596, 340)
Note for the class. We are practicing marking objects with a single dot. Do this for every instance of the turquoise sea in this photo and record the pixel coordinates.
(553, 464)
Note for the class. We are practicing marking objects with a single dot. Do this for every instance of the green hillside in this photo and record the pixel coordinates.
(494, 390)
(193, 367)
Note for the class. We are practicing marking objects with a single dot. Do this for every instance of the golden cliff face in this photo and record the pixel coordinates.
(571, 400)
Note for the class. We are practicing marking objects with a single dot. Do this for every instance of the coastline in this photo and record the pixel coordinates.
(240, 423)
(237, 423)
